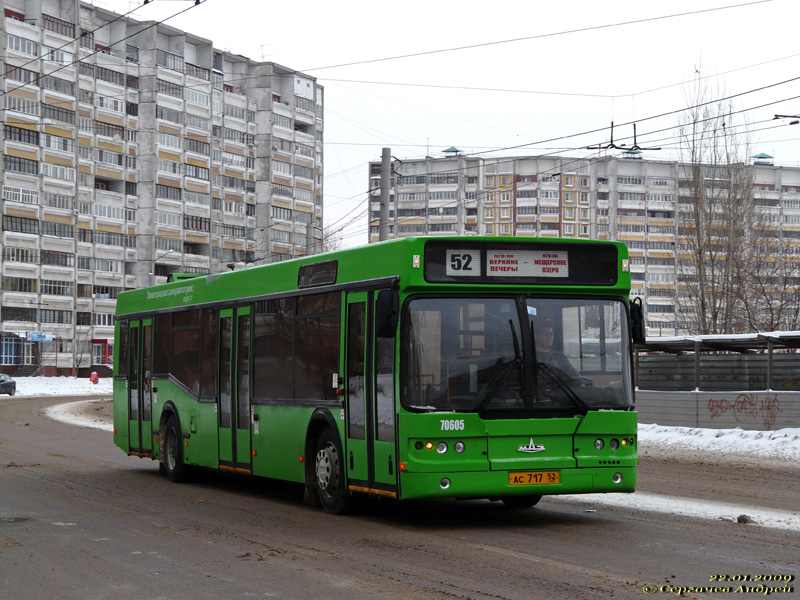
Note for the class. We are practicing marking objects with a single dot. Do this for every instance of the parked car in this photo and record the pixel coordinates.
(7, 385)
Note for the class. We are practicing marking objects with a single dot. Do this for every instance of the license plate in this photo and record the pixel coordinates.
(533, 478)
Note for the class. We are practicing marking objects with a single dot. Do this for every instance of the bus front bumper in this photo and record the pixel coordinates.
(498, 484)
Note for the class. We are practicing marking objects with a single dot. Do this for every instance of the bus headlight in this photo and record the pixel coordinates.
(617, 478)
(599, 444)
(441, 448)
(459, 447)
(613, 444)
(444, 483)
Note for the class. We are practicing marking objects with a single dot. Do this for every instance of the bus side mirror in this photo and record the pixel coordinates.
(637, 322)
(387, 309)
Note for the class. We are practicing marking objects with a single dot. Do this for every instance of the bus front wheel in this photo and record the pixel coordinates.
(176, 470)
(329, 474)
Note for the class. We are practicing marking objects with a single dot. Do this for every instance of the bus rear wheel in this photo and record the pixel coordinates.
(521, 501)
(176, 470)
(329, 474)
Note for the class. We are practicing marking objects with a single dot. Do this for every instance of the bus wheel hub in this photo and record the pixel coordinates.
(326, 466)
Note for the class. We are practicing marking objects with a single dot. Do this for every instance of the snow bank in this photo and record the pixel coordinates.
(781, 444)
(62, 386)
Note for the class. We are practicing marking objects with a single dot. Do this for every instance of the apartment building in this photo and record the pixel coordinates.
(625, 198)
(131, 151)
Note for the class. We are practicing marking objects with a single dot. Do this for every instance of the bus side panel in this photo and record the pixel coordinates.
(121, 423)
(197, 420)
(200, 422)
(279, 445)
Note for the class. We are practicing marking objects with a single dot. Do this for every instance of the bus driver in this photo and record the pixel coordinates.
(544, 334)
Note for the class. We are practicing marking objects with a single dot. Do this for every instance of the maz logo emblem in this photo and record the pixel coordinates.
(531, 448)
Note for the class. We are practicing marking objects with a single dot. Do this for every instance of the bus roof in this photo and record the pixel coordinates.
(404, 260)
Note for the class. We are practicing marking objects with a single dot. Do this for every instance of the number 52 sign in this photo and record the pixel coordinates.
(463, 262)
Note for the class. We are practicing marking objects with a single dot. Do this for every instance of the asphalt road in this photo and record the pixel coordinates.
(80, 520)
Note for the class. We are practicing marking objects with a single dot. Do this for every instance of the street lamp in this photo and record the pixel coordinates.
(157, 258)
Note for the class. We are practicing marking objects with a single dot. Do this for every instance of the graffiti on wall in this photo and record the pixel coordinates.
(747, 408)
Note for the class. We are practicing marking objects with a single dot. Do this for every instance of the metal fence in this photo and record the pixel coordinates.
(720, 382)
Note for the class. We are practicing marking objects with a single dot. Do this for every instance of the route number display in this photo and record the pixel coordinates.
(463, 262)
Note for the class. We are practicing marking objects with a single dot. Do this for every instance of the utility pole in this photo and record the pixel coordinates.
(386, 183)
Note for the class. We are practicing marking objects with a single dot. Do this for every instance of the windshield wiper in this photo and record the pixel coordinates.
(500, 370)
(486, 392)
(550, 373)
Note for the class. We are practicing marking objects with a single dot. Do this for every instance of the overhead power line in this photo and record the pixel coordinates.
(99, 51)
(540, 36)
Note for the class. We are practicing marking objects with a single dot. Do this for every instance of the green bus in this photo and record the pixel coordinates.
(446, 367)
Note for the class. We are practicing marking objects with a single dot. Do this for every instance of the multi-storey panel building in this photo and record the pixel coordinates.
(133, 150)
(626, 198)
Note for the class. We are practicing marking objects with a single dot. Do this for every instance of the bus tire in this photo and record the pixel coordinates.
(329, 474)
(520, 501)
(174, 467)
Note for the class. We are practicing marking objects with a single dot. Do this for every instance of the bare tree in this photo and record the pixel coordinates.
(82, 351)
(768, 279)
(715, 214)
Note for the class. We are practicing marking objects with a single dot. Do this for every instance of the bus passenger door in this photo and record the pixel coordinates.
(233, 401)
(140, 389)
(355, 369)
(383, 420)
(369, 400)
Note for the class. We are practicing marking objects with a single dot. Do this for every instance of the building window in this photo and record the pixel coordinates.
(443, 178)
(169, 60)
(281, 213)
(197, 172)
(169, 88)
(192, 95)
(196, 223)
(58, 113)
(21, 165)
(110, 76)
(59, 26)
(109, 130)
(168, 192)
(19, 284)
(22, 45)
(24, 136)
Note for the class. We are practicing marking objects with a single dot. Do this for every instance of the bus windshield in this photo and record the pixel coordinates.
(516, 353)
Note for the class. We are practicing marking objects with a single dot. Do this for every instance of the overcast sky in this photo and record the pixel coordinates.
(547, 70)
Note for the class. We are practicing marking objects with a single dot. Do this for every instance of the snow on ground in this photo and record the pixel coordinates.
(62, 386)
(782, 444)
(687, 507)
